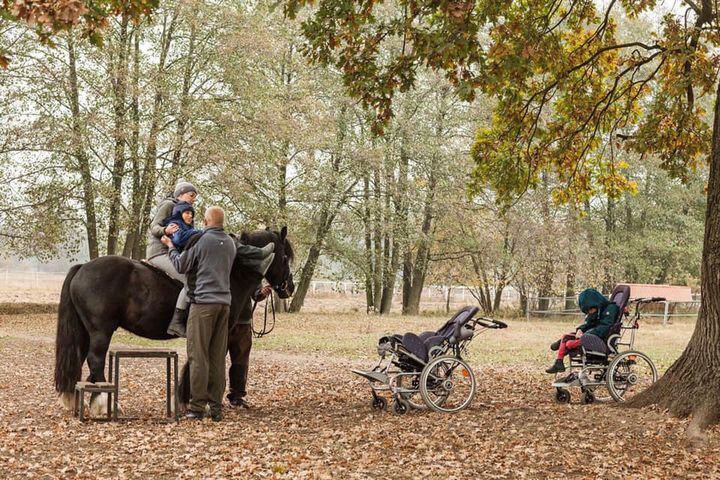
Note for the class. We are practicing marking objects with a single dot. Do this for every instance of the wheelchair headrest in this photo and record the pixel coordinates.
(453, 326)
(620, 296)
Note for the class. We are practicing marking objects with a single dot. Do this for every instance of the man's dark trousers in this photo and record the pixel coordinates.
(240, 347)
(207, 331)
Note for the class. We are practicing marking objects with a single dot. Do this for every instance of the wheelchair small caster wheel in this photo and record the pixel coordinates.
(587, 398)
(400, 407)
(562, 395)
(379, 403)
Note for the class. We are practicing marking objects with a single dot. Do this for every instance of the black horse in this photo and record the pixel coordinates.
(110, 292)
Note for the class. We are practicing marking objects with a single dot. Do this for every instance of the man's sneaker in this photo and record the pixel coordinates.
(177, 324)
(190, 415)
(558, 366)
(216, 415)
(555, 346)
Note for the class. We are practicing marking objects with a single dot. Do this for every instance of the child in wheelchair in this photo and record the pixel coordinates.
(428, 365)
(603, 362)
(601, 315)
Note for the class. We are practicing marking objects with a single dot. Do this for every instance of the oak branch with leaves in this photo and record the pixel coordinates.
(571, 97)
(51, 16)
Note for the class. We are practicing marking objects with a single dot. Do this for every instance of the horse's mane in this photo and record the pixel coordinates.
(266, 236)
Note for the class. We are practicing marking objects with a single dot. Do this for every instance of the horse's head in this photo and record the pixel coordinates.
(278, 275)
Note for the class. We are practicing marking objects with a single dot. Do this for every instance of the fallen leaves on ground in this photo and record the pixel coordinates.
(312, 419)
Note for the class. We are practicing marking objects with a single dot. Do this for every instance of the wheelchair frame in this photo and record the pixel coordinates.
(592, 367)
(404, 375)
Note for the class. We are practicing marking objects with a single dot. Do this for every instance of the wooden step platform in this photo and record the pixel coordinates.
(112, 388)
(81, 388)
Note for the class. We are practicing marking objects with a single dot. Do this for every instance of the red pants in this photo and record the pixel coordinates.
(568, 342)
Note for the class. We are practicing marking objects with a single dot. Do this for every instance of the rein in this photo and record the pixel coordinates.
(264, 330)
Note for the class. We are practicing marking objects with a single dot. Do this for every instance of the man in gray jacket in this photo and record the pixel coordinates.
(207, 265)
(258, 259)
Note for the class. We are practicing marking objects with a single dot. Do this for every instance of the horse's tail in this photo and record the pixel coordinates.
(71, 341)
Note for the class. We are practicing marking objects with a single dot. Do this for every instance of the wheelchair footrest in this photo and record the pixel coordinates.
(372, 376)
(571, 380)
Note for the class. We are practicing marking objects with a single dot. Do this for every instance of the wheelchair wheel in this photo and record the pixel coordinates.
(562, 395)
(379, 403)
(447, 384)
(413, 399)
(400, 406)
(629, 374)
(587, 398)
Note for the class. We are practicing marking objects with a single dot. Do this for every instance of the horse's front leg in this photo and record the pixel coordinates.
(99, 342)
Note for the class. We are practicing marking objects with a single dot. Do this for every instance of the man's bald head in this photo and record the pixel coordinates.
(214, 217)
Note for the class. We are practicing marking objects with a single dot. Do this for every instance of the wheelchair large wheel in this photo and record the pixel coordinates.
(629, 374)
(447, 384)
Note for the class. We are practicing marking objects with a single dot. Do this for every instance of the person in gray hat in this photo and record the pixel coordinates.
(156, 253)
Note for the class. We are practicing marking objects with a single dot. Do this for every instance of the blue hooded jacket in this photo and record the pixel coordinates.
(599, 322)
(181, 237)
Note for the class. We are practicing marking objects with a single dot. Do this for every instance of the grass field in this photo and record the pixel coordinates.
(523, 343)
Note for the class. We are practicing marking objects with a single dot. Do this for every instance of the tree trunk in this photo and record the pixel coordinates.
(306, 275)
(80, 154)
(367, 223)
(150, 177)
(118, 67)
(377, 241)
(130, 248)
(423, 254)
(570, 284)
(399, 228)
(498, 296)
(388, 287)
(333, 200)
(610, 227)
(184, 113)
(407, 279)
(402, 224)
(545, 287)
(691, 386)
(281, 216)
(479, 292)
(390, 244)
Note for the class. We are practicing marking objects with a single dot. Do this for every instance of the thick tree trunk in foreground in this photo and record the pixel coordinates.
(691, 386)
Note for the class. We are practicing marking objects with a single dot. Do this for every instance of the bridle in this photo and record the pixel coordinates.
(283, 291)
(264, 330)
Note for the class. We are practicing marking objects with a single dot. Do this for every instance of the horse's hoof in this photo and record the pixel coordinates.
(67, 400)
(98, 405)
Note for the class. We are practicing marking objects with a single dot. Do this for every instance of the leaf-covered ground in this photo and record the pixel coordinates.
(312, 419)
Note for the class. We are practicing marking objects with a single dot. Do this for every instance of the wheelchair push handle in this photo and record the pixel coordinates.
(490, 322)
(649, 299)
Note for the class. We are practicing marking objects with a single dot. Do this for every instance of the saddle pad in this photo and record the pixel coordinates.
(158, 271)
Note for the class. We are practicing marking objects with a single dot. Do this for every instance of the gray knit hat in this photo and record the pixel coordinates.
(183, 187)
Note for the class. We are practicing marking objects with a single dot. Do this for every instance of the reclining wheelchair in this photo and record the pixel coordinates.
(618, 372)
(428, 369)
